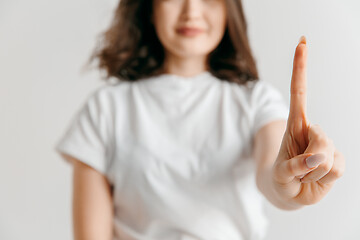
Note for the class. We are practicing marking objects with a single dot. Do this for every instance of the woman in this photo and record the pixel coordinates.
(188, 141)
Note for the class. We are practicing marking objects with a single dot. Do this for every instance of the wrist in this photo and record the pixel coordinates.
(267, 187)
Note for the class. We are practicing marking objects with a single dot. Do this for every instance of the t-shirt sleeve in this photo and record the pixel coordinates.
(268, 105)
(87, 137)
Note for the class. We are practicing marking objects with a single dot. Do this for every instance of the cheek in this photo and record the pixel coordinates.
(215, 16)
(165, 23)
(217, 26)
(219, 22)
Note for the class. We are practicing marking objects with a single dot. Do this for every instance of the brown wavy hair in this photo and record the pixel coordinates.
(130, 49)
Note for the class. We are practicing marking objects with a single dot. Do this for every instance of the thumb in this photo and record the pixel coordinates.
(299, 165)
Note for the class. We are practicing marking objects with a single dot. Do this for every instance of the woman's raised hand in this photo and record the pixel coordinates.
(298, 178)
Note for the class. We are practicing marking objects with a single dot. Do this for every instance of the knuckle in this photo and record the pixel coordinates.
(315, 127)
(327, 141)
(300, 66)
(326, 166)
(338, 172)
(299, 92)
(339, 155)
(321, 140)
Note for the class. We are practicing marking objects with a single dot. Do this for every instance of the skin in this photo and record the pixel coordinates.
(186, 56)
(279, 180)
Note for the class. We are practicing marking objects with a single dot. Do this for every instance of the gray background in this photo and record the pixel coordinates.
(44, 44)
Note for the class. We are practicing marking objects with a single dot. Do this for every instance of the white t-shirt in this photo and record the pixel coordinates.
(178, 152)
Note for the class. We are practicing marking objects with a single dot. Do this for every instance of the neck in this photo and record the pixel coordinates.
(185, 67)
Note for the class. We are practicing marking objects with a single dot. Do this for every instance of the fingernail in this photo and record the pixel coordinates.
(302, 40)
(315, 160)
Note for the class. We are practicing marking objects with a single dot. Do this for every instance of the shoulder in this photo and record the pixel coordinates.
(104, 100)
(259, 86)
(108, 89)
(106, 93)
(251, 91)
(261, 91)
(262, 86)
(251, 88)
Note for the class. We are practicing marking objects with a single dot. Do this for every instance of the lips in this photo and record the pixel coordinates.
(189, 31)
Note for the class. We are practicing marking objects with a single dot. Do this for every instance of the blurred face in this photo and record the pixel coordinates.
(189, 29)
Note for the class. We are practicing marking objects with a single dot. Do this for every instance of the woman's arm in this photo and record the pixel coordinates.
(92, 203)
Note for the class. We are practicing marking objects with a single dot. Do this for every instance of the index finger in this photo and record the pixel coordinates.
(298, 82)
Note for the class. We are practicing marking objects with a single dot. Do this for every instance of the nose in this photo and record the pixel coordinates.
(191, 9)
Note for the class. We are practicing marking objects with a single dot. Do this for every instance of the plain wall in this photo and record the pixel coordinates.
(44, 44)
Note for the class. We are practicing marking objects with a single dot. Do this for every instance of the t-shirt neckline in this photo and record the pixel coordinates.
(194, 77)
(191, 79)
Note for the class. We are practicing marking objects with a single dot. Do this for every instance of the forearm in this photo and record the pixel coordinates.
(265, 184)
(92, 204)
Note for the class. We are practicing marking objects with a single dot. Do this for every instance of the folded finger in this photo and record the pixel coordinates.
(301, 164)
(336, 171)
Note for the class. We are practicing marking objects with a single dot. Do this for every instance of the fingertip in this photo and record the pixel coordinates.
(302, 40)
